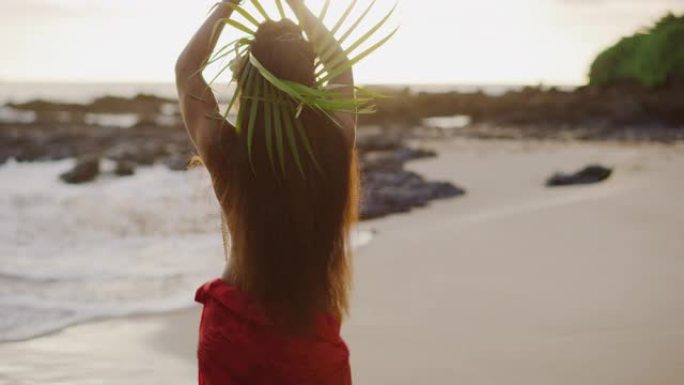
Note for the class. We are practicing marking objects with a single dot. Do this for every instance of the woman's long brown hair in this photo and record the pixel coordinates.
(289, 229)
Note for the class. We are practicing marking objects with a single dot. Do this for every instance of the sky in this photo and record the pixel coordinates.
(439, 41)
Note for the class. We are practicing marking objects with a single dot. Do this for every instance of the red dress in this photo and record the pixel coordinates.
(238, 344)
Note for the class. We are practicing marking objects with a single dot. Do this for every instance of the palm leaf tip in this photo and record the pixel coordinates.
(278, 131)
(237, 8)
(240, 26)
(244, 94)
(324, 10)
(260, 9)
(307, 144)
(281, 102)
(288, 117)
(344, 17)
(244, 73)
(254, 106)
(281, 10)
(342, 57)
(324, 44)
(268, 123)
(350, 63)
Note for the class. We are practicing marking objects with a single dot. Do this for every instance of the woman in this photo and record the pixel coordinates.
(274, 316)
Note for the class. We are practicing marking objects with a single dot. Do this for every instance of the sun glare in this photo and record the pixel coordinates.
(465, 42)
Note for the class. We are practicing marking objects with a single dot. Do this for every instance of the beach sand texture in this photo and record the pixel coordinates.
(513, 284)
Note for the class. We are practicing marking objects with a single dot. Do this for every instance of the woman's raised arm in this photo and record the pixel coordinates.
(197, 104)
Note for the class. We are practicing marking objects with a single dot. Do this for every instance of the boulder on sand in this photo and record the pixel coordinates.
(588, 175)
(124, 168)
(85, 170)
(388, 191)
(177, 163)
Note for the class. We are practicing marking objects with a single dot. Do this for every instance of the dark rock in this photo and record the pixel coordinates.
(394, 159)
(444, 190)
(588, 175)
(388, 191)
(583, 112)
(387, 187)
(406, 154)
(369, 143)
(141, 103)
(384, 160)
(85, 170)
(144, 153)
(124, 168)
(177, 163)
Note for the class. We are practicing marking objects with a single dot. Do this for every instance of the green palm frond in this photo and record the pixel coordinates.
(243, 78)
(344, 17)
(278, 130)
(254, 104)
(344, 66)
(324, 11)
(325, 43)
(331, 62)
(244, 14)
(330, 51)
(247, 91)
(240, 26)
(268, 122)
(281, 10)
(307, 144)
(281, 101)
(261, 9)
(288, 115)
(356, 24)
(222, 53)
(225, 54)
(314, 98)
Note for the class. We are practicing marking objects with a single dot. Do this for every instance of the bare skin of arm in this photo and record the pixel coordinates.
(197, 103)
(344, 83)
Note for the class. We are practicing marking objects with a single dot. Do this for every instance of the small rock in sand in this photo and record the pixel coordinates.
(85, 170)
(177, 163)
(124, 168)
(588, 175)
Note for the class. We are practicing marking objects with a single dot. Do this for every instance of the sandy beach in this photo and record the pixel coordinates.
(514, 283)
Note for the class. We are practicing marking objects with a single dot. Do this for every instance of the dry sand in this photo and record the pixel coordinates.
(512, 284)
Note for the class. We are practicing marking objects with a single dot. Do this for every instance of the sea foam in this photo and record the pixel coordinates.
(114, 247)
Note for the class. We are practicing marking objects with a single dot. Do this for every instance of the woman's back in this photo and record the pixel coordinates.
(287, 191)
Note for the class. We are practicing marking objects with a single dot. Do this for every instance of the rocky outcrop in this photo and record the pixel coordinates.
(124, 168)
(139, 104)
(621, 111)
(397, 191)
(625, 111)
(387, 187)
(143, 145)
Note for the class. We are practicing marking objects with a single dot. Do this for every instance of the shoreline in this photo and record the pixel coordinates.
(513, 282)
(367, 237)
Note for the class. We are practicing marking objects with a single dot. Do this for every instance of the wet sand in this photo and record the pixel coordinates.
(514, 283)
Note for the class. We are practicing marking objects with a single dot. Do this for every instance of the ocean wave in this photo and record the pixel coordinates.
(114, 247)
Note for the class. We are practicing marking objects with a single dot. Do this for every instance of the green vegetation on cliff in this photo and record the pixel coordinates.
(651, 57)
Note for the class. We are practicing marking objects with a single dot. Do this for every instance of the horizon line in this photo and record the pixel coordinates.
(398, 84)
